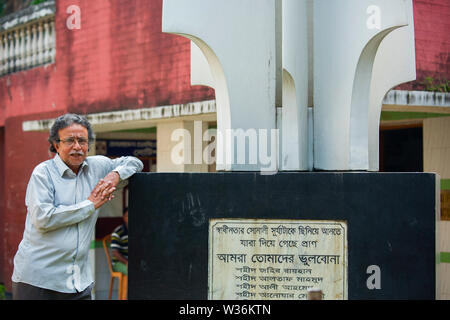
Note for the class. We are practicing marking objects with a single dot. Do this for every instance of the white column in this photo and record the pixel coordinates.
(7, 53)
(34, 46)
(3, 54)
(16, 50)
(295, 86)
(22, 60)
(395, 63)
(40, 43)
(46, 42)
(11, 52)
(347, 34)
(52, 42)
(238, 39)
(28, 58)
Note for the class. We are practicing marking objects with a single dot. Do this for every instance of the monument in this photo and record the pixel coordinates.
(255, 250)
(297, 203)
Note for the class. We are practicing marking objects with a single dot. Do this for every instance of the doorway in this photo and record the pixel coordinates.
(401, 149)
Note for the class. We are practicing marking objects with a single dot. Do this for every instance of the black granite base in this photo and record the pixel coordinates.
(391, 220)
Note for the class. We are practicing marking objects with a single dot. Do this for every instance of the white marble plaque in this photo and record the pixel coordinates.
(276, 259)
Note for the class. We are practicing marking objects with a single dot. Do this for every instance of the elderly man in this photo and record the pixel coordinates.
(62, 199)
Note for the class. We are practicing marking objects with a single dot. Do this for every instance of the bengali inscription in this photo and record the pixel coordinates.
(277, 259)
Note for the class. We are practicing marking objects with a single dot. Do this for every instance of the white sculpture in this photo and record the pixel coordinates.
(295, 85)
(339, 56)
(200, 70)
(347, 34)
(239, 45)
(395, 63)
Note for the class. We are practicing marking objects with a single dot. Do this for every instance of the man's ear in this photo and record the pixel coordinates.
(56, 146)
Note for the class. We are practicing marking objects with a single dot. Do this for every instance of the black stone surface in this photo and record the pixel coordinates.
(391, 223)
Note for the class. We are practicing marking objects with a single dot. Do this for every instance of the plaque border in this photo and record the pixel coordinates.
(269, 222)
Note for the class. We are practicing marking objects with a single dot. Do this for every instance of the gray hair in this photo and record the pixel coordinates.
(65, 121)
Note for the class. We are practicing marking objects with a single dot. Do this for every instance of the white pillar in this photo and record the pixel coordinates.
(331, 57)
(395, 63)
(238, 39)
(295, 85)
(28, 57)
(3, 54)
(347, 34)
(34, 45)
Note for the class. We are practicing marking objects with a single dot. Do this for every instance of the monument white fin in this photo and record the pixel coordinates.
(395, 63)
(338, 57)
(295, 86)
(200, 70)
(347, 35)
(239, 45)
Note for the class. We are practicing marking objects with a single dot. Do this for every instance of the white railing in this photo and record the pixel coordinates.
(27, 45)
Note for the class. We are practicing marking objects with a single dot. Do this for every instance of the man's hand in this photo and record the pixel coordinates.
(102, 193)
(112, 177)
(116, 254)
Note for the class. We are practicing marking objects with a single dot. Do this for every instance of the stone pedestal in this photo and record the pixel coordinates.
(389, 250)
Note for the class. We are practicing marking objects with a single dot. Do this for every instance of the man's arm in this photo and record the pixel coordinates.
(122, 168)
(116, 254)
(40, 195)
(46, 216)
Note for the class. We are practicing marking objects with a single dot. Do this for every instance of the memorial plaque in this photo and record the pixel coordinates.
(266, 259)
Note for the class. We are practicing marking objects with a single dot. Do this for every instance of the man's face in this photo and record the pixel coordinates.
(73, 145)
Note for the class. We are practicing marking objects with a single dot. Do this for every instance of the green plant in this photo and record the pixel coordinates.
(37, 2)
(440, 86)
(2, 291)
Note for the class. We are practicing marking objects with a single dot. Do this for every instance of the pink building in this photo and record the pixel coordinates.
(133, 81)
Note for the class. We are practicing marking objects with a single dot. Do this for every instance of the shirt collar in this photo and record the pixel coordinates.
(62, 167)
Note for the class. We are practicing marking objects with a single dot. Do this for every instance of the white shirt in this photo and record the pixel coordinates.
(60, 222)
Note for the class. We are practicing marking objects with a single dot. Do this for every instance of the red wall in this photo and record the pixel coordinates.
(22, 152)
(119, 59)
(431, 27)
(2, 195)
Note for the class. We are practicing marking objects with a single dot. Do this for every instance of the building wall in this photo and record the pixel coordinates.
(2, 195)
(431, 25)
(119, 59)
(436, 146)
(32, 91)
(436, 155)
(22, 152)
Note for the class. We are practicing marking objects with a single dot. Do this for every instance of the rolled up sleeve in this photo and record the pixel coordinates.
(126, 166)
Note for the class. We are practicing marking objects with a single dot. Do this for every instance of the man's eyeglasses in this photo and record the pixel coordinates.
(71, 141)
